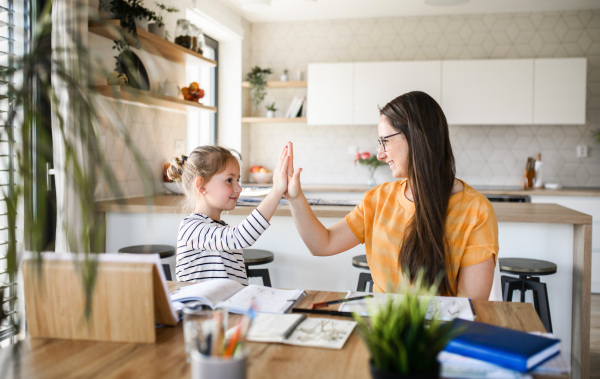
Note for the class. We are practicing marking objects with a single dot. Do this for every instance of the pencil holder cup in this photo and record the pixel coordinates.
(203, 329)
(209, 367)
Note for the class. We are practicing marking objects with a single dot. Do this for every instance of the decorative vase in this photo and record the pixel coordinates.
(284, 77)
(372, 170)
(270, 114)
(141, 23)
(377, 373)
(157, 30)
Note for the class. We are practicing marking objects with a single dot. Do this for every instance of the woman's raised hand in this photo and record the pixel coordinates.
(294, 189)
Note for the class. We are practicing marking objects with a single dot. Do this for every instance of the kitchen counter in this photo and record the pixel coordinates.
(505, 212)
(529, 230)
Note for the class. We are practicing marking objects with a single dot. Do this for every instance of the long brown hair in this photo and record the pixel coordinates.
(431, 173)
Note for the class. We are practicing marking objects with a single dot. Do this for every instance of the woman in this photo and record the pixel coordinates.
(428, 220)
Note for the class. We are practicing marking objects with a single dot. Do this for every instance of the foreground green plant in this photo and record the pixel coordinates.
(58, 77)
(397, 334)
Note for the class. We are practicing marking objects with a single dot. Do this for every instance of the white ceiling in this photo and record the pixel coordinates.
(296, 10)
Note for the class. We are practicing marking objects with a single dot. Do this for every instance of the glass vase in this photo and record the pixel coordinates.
(372, 170)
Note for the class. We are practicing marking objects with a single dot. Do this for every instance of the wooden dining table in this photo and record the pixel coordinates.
(57, 358)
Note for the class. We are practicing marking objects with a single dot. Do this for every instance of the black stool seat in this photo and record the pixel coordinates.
(253, 257)
(257, 257)
(360, 261)
(164, 251)
(525, 266)
(364, 278)
(528, 271)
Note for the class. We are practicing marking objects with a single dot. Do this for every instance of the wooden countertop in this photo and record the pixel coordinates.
(496, 190)
(505, 212)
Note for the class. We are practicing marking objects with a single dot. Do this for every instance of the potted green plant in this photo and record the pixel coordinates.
(257, 77)
(132, 14)
(400, 340)
(271, 110)
(158, 27)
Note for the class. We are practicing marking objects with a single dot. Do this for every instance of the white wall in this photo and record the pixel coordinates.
(485, 155)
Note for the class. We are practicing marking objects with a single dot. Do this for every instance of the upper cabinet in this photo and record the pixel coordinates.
(488, 91)
(560, 89)
(330, 94)
(471, 92)
(376, 83)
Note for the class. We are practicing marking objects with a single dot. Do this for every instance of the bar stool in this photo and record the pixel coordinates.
(253, 257)
(528, 271)
(164, 251)
(365, 282)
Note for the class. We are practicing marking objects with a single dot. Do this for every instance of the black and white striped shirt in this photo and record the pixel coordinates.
(209, 249)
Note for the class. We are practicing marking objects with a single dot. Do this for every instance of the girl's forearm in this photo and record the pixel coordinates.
(269, 204)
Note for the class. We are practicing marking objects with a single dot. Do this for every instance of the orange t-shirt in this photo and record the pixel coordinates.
(382, 217)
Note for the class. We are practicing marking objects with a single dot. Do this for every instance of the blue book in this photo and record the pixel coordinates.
(504, 347)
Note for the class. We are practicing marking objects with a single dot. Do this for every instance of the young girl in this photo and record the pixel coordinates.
(208, 248)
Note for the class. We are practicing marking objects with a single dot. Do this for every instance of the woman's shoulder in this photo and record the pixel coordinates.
(473, 198)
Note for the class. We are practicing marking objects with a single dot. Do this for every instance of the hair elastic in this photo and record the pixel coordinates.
(183, 159)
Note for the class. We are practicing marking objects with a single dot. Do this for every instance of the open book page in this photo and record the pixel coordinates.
(321, 332)
(210, 292)
(266, 299)
(271, 327)
(442, 308)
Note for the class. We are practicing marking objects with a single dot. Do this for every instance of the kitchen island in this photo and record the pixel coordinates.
(542, 231)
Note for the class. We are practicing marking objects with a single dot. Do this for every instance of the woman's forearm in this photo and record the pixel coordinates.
(314, 234)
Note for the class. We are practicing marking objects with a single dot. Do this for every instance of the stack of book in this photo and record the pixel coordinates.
(296, 108)
(483, 350)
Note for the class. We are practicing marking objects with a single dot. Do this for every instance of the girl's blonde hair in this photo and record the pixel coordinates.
(204, 161)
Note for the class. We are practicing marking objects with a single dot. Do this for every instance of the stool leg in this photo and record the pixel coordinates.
(262, 273)
(167, 271)
(363, 279)
(509, 285)
(540, 301)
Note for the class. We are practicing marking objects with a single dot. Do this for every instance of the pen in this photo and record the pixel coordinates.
(472, 308)
(321, 312)
(326, 303)
(291, 329)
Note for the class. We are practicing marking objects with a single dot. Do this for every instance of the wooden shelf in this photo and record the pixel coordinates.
(299, 84)
(273, 120)
(151, 43)
(139, 97)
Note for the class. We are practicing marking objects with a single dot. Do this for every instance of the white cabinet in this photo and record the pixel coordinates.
(330, 94)
(559, 96)
(488, 91)
(589, 205)
(377, 83)
(471, 92)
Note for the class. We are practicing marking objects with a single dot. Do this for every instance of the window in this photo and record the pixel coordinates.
(14, 32)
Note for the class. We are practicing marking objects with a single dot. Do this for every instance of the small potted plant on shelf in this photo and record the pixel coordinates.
(132, 14)
(284, 77)
(271, 110)
(158, 27)
(257, 77)
(401, 341)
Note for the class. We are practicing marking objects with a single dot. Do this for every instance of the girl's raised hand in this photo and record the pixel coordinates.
(280, 174)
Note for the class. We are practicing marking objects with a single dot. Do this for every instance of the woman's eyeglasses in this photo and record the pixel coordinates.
(383, 140)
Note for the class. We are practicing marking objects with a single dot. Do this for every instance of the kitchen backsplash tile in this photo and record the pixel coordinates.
(153, 132)
(485, 155)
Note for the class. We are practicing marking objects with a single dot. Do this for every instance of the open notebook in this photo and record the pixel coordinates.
(130, 297)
